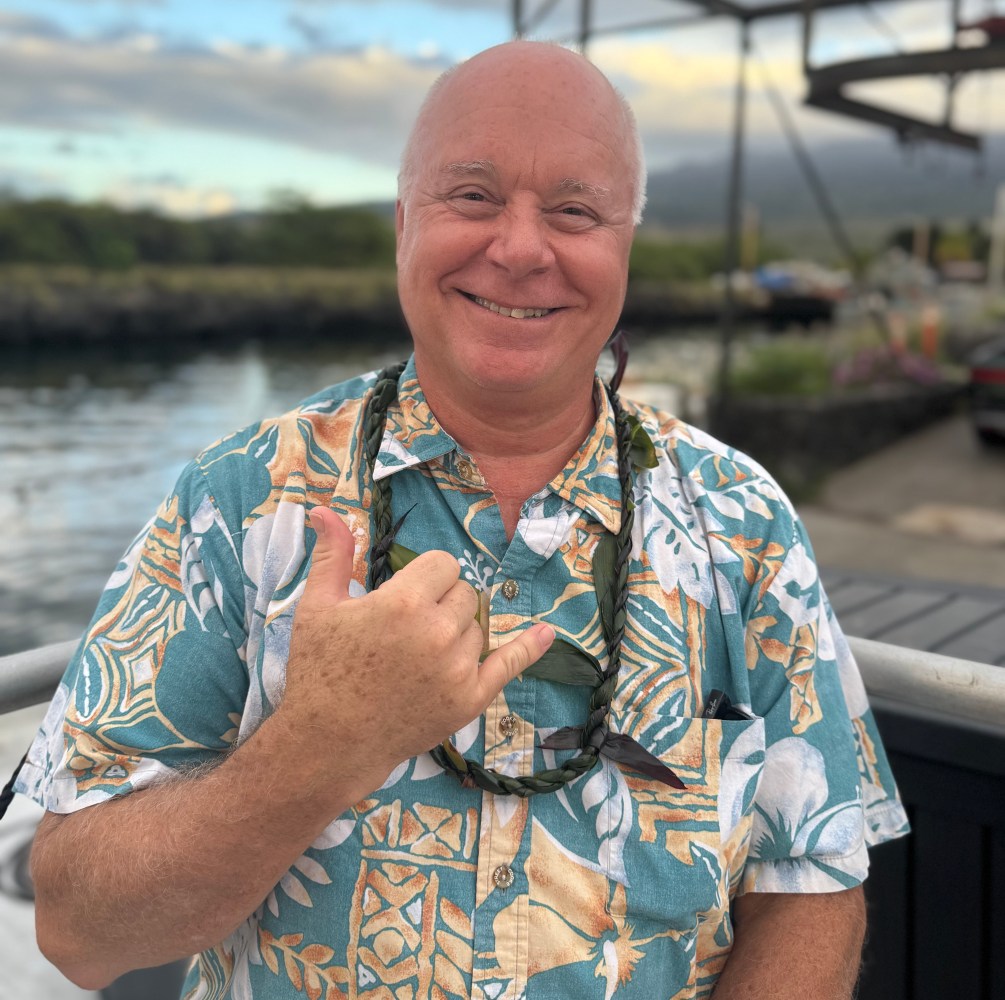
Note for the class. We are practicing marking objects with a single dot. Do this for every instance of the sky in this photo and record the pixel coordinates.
(200, 108)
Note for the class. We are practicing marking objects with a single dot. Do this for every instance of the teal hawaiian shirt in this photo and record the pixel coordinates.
(615, 886)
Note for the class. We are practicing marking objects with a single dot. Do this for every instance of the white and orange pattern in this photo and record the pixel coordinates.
(618, 886)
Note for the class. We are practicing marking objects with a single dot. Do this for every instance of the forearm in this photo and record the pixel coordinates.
(168, 871)
(789, 947)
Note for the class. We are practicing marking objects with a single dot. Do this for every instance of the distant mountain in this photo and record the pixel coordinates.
(867, 179)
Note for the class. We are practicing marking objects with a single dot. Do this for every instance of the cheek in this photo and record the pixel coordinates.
(601, 262)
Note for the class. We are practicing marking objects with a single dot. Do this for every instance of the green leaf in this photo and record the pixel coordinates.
(399, 557)
(643, 451)
(564, 663)
(458, 761)
(603, 580)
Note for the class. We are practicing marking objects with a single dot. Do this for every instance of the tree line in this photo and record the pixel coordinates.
(290, 232)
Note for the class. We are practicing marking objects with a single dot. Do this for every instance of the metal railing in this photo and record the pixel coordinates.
(895, 677)
(943, 724)
(30, 678)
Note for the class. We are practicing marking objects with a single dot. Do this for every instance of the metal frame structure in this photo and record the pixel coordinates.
(826, 91)
(826, 83)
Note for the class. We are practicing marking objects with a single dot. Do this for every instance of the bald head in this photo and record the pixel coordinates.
(538, 76)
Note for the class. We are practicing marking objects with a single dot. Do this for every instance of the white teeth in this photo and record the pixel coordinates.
(514, 313)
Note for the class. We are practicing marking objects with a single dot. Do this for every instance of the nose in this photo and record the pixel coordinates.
(521, 243)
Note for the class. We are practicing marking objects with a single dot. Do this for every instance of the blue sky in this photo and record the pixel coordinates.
(198, 107)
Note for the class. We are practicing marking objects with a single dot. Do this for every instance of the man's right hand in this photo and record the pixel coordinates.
(374, 680)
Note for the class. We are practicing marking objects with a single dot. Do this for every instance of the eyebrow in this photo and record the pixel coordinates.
(576, 186)
(466, 167)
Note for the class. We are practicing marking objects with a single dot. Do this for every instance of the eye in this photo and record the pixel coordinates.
(574, 217)
(474, 202)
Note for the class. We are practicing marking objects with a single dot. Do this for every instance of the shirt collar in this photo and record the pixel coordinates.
(590, 478)
(412, 435)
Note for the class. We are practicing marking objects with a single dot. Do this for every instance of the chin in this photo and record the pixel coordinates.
(513, 370)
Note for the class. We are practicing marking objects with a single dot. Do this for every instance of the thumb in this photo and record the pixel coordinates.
(331, 563)
(511, 659)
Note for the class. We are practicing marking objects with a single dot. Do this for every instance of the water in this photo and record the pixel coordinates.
(90, 444)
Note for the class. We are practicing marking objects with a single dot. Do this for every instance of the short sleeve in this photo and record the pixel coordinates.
(158, 683)
(826, 793)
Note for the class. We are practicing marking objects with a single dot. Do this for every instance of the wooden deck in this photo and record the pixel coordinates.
(951, 619)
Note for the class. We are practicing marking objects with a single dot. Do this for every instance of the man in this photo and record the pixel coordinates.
(612, 833)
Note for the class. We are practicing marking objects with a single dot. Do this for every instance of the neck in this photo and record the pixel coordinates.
(519, 441)
(514, 426)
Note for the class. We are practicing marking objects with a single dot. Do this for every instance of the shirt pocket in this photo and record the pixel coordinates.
(683, 850)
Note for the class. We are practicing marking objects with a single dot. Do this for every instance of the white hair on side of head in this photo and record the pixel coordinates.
(636, 159)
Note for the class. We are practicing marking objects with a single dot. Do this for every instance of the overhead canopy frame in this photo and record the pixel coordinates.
(826, 84)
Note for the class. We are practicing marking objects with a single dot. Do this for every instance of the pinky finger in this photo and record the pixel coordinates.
(511, 659)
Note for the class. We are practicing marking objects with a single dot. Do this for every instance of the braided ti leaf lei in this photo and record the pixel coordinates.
(563, 662)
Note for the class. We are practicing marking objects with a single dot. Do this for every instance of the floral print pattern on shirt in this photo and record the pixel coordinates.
(616, 886)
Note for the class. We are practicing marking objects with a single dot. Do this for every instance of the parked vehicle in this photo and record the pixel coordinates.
(987, 392)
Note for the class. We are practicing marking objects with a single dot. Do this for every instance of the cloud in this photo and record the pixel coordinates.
(359, 101)
(173, 196)
(313, 34)
(33, 183)
(16, 25)
(683, 95)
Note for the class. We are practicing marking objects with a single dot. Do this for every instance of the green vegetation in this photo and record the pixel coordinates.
(683, 260)
(352, 288)
(289, 233)
(143, 305)
(784, 368)
(670, 260)
(846, 363)
(943, 243)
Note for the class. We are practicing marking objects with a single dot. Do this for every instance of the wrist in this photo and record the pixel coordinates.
(318, 763)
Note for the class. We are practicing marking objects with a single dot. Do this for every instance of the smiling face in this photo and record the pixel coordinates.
(515, 225)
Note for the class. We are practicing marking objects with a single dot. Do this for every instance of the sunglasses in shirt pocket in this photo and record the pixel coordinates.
(677, 854)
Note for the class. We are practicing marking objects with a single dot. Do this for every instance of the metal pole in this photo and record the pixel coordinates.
(584, 24)
(733, 211)
(30, 678)
(996, 258)
(808, 7)
(955, 18)
(517, 8)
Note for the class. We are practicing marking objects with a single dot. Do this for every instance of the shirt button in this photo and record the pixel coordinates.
(510, 589)
(507, 726)
(503, 877)
(465, 469)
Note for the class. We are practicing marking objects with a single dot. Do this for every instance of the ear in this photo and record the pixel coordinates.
(399, 219)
